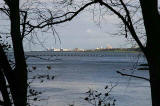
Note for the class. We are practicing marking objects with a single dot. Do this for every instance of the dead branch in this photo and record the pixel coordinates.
(123, 74)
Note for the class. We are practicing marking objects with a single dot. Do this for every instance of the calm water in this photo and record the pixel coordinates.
(74, 75)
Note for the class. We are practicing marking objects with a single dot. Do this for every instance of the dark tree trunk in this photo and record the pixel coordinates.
(152, 24)
(154, 71)
(3, 89)
(20, 72)
(153, 58)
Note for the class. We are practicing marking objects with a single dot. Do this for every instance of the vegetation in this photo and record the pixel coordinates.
(97, 98)
(118, 50)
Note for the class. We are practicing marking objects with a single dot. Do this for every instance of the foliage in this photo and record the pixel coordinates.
(34, 95)
(97, 98)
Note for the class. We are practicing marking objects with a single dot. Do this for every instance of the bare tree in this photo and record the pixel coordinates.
(14, 79)
(149, 22)
(21, 26)
(145, 26)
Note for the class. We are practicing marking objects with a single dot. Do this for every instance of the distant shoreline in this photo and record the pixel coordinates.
(127, 50)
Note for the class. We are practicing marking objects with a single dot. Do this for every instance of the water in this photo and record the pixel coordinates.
(74, 75)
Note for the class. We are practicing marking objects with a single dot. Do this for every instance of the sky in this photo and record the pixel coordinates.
(83, 32)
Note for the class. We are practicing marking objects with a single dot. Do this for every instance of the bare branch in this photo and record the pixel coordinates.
(127, 22)
(5, 10)
(123, 74)
(8, 2)
(50, 22)
(24, 23)
(130, 27)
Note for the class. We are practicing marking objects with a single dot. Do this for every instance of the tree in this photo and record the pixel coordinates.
(17, 77)
(151, 19)
(13, 80)
(151, 23)
(146, 26)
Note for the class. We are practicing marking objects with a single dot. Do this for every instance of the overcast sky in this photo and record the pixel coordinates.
(82, 32)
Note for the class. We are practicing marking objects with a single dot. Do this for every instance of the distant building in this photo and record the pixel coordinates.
(55, 49)
(66, 49)
(77, 49)
(109, 47)
(97, 48)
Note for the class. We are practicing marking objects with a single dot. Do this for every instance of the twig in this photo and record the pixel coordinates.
(123, 74)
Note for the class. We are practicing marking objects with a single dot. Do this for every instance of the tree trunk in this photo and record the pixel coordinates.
(153, 58)
(154, 71)
(151, 19)
(20, 72)
(3, 89)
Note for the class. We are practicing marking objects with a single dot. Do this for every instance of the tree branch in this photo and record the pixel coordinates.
(131, 27)
(8, 2)
(5, 10)
(50, 22)
(128, 22)
(123, 74)
(24, 24)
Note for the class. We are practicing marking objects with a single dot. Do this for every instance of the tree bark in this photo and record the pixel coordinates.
(154, 71)
(3, 89)
(151, 19)
(20, 72)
